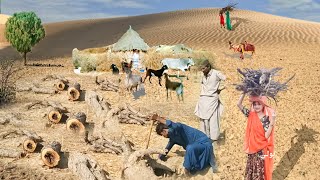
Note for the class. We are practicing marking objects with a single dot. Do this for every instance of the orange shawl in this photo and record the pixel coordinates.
(255, 137)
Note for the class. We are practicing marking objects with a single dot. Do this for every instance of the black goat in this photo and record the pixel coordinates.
(114, 68)
(158, 73)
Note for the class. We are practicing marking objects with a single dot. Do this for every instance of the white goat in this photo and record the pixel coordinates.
(182, 64)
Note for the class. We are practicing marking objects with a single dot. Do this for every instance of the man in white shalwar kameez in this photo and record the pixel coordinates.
(209, 107)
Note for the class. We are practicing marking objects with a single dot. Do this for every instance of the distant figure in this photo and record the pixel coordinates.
(221, 19)
(229, 27)
(136, 60)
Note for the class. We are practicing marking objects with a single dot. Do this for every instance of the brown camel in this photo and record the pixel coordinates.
(242, 47)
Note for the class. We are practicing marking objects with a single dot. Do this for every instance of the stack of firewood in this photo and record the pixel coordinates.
(261, 83)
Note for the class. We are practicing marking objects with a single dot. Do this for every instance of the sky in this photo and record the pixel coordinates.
(64, 10)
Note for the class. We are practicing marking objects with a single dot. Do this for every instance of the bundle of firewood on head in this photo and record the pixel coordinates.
(230, 7)
(260, 82)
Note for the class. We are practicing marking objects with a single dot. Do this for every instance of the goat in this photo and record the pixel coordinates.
(132, 80)
(174, 86)
(125, 66)
(158, 73)
(114, 68)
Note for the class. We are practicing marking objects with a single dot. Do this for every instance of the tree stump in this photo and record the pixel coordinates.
(60, 85)
(50, 154)
(55, 115)
(76, 123)
(74, 92)
(30, 145)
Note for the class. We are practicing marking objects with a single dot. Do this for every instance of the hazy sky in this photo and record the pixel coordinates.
(62, 10)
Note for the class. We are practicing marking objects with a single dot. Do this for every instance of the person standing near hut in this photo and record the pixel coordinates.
(229, 26)
(209, 108)
(259, 137)
(135, 60)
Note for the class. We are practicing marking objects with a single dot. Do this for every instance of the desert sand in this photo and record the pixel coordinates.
(280, 42)
(3, 20)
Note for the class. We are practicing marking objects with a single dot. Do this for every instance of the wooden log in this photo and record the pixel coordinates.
(43, 90)
(55, 115)
(50, 155)
(86, 168)
(75, 126)
(11, 153)
(74, 92)
(29, 145)
(81, 116)
(60, 85)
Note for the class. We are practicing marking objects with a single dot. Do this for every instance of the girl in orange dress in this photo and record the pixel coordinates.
(259, 138)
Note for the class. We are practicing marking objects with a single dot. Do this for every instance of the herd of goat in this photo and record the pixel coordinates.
(132, 81)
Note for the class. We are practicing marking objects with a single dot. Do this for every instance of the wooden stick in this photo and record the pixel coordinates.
(149, 134)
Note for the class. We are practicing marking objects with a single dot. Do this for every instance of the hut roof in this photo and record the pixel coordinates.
(129, 41)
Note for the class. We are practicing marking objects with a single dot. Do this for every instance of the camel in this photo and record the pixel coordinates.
(242, 47)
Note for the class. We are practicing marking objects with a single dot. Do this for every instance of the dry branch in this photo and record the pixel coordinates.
(44, 104)
(34, 88)
(107, 85)
(86, 168)
(11, 153)
(50, 154)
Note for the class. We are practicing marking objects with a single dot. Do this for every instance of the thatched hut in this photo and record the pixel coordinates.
(129, 41)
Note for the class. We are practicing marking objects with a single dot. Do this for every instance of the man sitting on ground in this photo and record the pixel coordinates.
(199, 150)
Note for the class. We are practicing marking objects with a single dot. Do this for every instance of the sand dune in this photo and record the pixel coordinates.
(280, 42)
(3, 20)
(196, 28)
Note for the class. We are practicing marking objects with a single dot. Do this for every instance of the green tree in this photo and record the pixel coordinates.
(23, 31)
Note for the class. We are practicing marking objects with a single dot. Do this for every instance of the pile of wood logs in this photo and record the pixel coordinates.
(107, 85)
(62, 83)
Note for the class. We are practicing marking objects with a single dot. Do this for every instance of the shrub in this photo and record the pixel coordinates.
(7, 81)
